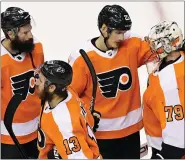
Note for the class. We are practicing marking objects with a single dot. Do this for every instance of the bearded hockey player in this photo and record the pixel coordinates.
(65, 125)
(21, 53)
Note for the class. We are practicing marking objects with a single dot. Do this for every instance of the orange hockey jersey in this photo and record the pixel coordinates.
(17, 77)
(68, 126)
(118, 92)
(163, 113)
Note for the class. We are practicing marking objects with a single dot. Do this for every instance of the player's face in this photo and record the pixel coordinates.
(115, 38)
(23, 41)
(39, 85)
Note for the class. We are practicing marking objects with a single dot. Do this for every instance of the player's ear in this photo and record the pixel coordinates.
(104, 30)
(11, 34)
(52, 88)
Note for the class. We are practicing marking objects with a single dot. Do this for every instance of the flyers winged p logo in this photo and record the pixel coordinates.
(23, 83)
(112, 81)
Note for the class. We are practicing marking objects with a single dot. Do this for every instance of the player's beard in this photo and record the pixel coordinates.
(22, 46)
(39, 93)
(43, 95)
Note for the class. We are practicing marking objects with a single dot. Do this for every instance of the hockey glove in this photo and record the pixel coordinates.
(96, 116)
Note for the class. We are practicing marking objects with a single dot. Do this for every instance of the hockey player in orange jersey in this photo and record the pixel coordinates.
(116, 56)
(64, 123)
(20, 54)
(163, 113)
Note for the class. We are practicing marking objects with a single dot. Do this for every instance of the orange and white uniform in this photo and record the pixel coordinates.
(17, 76)
(68, 128)
(163, 113)
(118, 92)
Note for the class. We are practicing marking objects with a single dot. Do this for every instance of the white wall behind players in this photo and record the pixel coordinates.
(63, 26)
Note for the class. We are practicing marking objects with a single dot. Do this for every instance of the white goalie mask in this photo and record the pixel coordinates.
(164, 38)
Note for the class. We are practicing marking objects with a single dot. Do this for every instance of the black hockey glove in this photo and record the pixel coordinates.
(53, 154)
(96, 116)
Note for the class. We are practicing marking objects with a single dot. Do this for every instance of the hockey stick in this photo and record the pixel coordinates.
(96, 115)
(94, 78)
(8, 119)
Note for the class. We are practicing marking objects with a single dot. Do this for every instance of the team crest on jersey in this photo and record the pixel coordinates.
(112, 81)
(23, 84)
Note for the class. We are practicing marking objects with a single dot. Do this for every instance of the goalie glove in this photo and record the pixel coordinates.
(96, 116)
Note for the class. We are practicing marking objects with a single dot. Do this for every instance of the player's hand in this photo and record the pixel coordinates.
(146, 38)
(96, 116)
(53, 154)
